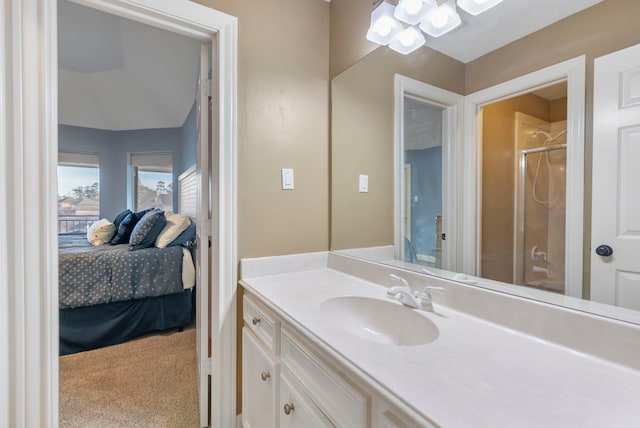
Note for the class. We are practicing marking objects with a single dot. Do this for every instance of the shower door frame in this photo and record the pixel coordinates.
(573, 72)
(519, 217)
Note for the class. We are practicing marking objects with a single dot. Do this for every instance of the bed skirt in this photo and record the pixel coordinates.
(96, 326)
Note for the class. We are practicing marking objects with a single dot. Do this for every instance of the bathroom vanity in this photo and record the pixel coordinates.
(323, 345)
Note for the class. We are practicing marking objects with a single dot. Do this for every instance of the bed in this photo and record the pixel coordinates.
(109, 294)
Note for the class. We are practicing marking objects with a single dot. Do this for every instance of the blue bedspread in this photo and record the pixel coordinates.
(91, 275)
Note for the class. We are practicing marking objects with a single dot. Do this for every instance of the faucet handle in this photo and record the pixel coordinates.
(432, 288)
(399, 278)
(392, 291)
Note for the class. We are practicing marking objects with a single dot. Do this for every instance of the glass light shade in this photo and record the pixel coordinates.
(411, 11)
(475, 7)
(441, 20)
(384, 27)
(408, 40)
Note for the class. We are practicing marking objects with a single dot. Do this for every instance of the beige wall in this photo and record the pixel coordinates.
(349, 24)
(362, 140)
(283, 116)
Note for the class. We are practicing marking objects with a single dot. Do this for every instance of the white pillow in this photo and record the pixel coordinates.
(101, 232)
(176, 224)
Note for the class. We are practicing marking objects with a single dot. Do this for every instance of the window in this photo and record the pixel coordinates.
(78, 191)
(153, 180)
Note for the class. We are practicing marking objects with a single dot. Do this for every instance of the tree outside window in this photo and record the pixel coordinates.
(153, 178)
(78, 191)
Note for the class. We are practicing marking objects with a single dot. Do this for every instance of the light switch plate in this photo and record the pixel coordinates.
(287, 178)
(363, 183)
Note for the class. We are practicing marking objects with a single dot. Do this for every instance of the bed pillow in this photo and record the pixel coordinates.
(121, 215)
(101, 232)
(189, 235)
(147, 230)
(125, 228)
(176, 224)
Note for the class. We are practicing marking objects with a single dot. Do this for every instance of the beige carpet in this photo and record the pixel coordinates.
(149, 382)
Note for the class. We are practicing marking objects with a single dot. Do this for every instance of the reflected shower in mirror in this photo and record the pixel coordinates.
(523, 193)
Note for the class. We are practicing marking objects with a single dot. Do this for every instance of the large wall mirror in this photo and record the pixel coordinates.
(496, 194)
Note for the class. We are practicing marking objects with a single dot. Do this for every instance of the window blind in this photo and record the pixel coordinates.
(152, 162)
(78, 159)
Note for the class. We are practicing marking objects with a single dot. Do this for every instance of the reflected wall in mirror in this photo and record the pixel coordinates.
(362, 134)
(523, 191)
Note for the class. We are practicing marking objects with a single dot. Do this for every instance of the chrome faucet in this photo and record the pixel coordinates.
(408, 297)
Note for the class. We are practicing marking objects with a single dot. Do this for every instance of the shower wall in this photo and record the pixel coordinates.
(539, 245)
(498, 178)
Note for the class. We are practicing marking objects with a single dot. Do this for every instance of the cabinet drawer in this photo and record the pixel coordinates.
(262, 322)
(296, 409)
(340, 401)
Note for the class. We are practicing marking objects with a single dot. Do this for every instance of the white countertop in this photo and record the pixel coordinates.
(476, 374)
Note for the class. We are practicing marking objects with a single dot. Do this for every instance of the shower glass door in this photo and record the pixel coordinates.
(539, 253)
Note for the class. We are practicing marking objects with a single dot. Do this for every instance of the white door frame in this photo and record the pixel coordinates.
(573, 72)
(452, 104)
(28, 189)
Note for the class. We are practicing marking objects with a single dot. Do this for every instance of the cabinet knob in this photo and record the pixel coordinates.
(288, 408)
(255, 320)
(265, 375)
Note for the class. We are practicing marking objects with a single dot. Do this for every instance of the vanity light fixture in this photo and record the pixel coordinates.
(442, 19)
(410, 39)
(384, 27)
(412, 11)
(475, 7)
(395, 22)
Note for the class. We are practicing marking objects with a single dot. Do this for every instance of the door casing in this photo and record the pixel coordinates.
(573, 72)
(28, 107)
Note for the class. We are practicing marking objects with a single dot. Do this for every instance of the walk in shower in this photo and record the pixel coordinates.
(540, 203)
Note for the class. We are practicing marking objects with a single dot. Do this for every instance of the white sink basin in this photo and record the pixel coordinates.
(379, 321)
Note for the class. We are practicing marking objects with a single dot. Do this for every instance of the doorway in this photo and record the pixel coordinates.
(427, 135)
(127, 94)
(31, 162)
(423, 182)
(521, 166)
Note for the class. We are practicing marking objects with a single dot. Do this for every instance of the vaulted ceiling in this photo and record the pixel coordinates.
(117, 74)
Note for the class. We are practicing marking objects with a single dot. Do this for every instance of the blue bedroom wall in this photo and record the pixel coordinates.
(426, 186)
(112, 148)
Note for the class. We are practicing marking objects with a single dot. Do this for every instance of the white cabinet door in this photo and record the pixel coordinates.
(296, 410)
(615, 278)
(260, 377)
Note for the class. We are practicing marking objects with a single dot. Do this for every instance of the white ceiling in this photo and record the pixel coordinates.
(118, 74)
(503, 24)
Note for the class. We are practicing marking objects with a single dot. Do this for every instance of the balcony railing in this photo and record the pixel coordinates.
(75, 223)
